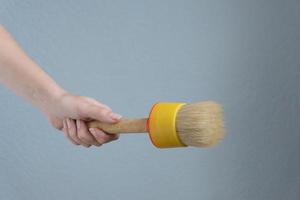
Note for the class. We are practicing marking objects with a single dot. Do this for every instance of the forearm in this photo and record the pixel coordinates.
(19, 73)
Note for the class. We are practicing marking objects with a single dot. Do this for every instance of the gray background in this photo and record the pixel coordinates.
(131, 54)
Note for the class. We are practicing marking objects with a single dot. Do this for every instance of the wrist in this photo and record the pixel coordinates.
(50, 99)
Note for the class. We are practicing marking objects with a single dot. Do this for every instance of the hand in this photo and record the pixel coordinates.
(65, 111)
(69, 113)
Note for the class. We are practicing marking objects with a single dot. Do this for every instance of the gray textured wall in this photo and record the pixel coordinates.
(130, 54)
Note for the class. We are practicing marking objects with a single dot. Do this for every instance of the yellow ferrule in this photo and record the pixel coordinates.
(162, 125)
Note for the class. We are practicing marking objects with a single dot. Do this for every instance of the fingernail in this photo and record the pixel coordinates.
(78, 122)
(68, 123)
(92, 130)
(115, 116)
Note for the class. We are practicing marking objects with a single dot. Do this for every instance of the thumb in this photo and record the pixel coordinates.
(102, 114)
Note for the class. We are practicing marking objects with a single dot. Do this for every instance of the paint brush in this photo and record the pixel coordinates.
(173, 124)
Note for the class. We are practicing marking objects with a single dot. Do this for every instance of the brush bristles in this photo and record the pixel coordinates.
(200, 124)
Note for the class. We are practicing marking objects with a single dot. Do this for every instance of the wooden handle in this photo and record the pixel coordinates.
(124, 126)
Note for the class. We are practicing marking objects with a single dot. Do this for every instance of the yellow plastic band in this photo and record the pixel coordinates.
(162, 125)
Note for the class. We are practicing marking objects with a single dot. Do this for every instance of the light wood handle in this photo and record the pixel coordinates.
(124, 126)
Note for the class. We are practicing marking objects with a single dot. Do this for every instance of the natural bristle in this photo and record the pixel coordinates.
(200, 124)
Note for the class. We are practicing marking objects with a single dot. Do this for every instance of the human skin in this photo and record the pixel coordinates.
(65, 111)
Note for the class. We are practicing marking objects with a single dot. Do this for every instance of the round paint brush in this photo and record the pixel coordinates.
(173, 124)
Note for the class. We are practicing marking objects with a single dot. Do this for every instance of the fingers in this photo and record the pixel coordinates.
(97, 112)
(103, 137)
(66, 133)
(84, 135)
(79, 134)
(72, 132)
